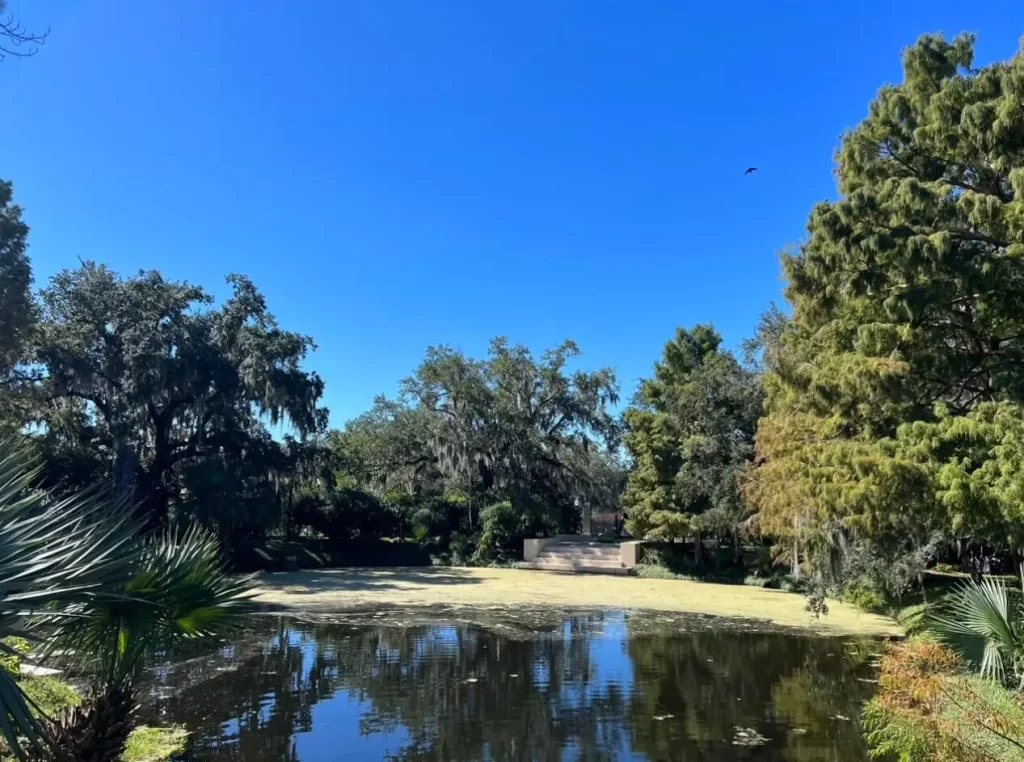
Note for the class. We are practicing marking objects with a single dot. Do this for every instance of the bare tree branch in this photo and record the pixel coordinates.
(15, 40)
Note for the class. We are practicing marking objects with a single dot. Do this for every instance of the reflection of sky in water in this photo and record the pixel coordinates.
(336, 735)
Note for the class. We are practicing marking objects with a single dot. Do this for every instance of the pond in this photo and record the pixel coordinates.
(544, 685)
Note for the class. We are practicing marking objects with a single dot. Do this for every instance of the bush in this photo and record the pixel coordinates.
(438, 517)
(913, 618)
(460, 550)
(149, 744)
(863, 596)
(50, 694)
(927, 710)
(11, 662)
(346, 514)
(502, 536)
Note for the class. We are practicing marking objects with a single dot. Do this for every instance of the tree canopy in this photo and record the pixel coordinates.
(906, 312)
(158, 378)
(510, 427)
(689, 433)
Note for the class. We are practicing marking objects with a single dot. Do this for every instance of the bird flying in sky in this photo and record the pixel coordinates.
(750, 170)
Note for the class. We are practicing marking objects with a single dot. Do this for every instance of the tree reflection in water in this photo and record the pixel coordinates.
(590, 686)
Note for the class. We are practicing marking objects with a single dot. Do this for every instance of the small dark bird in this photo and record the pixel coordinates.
(750, 170)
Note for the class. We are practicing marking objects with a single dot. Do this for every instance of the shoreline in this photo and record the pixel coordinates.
(360, 590)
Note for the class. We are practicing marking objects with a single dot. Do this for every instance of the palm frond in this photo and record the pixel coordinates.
(979, 617)
(178, 591)
(55, 555)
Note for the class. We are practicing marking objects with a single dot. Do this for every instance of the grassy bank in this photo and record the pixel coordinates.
(341, 589)
(51, 695)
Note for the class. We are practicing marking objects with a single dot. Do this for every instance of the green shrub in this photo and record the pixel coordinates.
(460, 550)
(50, 694)
(654, 571)
(863, 596)
(927, 710)
(501, 538)
(11, 662)
(149, 744)
(913, 618)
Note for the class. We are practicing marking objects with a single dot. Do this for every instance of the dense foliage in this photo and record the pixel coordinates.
(927, 710)
(493, 449)
(690, 433)
(897, 380)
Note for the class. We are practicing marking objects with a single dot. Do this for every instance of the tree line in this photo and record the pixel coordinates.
(871, 425)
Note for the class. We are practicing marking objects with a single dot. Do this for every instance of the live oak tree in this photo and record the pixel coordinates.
(520, 427)
(690, 432)
(906, 311)
(164, 379)
(511, 430)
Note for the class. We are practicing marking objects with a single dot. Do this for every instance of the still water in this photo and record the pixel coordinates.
(457, 686)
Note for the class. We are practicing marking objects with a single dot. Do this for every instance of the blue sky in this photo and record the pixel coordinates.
(399, 174)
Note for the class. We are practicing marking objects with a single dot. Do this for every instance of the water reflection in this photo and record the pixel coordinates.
(594, 686)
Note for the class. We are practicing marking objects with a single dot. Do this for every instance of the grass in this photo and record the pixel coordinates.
(145, 744)
(50, 694)
(349, 589)
(149, 744)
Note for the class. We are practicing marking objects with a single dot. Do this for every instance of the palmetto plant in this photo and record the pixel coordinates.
(981, 617)
(56, 557)
(75, 576)
(178, 590)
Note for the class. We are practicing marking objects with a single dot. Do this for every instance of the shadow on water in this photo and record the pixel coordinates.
(365, 580)
(597, 685)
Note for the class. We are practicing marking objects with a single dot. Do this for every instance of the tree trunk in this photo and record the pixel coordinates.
(125, 469)
(698, 555)
(286, 516)
(796, 558)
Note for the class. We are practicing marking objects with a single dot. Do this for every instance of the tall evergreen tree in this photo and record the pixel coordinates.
(906, 308)
(689, 433)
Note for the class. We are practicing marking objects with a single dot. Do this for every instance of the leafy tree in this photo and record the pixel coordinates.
(17, 310)
(467, 433)
(387, 448)
(164, 379)
(16, 307)
(905, 308)
(515, 425)
(690, 432)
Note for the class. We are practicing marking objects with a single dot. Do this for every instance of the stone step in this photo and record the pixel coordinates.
(578, 560)
(588, 552)
(566, 567)
(599, 560)
(582, 544)
(573, 558)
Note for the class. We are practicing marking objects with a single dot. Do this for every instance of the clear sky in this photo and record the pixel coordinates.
(399, 174)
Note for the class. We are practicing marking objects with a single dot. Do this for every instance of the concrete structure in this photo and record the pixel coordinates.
(580, 554)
